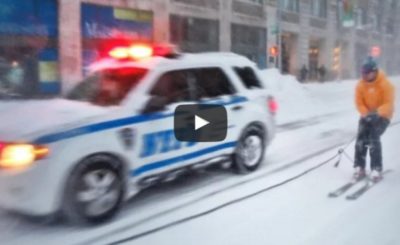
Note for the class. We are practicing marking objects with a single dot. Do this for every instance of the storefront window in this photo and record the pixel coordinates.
(250, 42)
(104, 27)
(28, 48)
(194, 34)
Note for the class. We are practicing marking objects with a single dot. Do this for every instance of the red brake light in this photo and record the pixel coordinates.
(272, 105)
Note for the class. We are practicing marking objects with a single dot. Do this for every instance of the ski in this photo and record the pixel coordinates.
(367, 186)
(341, 190)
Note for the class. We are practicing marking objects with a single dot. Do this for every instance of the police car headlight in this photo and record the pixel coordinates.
(20, 155)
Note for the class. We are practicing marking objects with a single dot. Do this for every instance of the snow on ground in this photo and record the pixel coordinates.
(300, 212)
(160, 204)
(297, 213)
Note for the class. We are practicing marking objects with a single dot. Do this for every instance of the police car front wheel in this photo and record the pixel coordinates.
(249, 151)
(94, 191)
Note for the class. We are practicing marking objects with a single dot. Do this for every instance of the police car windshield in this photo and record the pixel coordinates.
(107, 87)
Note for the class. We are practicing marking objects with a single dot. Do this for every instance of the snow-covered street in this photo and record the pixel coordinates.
(199, 122)
(218, 207)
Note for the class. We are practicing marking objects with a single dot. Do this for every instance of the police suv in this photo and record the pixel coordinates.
(113, 134)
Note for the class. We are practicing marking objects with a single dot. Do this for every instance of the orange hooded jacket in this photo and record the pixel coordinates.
(376, 96)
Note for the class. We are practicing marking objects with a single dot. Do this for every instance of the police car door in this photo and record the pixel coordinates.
(213, 86)
(159, 150)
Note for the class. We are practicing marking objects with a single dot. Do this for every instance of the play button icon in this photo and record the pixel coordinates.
(200, 123)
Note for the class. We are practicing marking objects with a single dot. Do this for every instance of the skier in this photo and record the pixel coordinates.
(375, 102)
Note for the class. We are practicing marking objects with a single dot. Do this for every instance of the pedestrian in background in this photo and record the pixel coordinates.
(303, 73)
(322, 73)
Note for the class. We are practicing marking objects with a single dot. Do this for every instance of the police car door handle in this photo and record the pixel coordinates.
(237, 108)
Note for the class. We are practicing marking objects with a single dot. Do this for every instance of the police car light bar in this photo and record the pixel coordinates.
(119, 53)
(142, 51)
(133, 52)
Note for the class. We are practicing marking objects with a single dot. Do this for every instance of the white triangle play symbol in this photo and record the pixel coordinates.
(199, 122)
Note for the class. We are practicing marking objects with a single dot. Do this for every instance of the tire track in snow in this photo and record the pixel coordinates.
(221, 206)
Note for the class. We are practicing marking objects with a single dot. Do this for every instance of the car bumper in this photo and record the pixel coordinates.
(28, 191)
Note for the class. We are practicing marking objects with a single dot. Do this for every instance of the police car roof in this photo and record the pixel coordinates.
(201, 59)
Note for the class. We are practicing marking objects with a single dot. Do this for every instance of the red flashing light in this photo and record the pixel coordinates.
(2, 145)
(165, 50)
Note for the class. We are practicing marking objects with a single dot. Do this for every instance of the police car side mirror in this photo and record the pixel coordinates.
(155, 104)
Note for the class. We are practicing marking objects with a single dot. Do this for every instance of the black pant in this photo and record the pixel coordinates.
(369, 137)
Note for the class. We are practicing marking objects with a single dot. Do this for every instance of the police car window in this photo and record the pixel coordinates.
(248, 77)
(212, 82)
(173, 86)
(108, 87)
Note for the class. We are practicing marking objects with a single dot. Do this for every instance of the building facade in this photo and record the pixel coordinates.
(67, 35)
(29, 38)
(46, 45)
(312, 34)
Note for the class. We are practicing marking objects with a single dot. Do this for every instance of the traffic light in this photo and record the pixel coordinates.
(336, 59)
(273, 51)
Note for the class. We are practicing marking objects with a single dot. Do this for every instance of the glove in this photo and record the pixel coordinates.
(372, 117)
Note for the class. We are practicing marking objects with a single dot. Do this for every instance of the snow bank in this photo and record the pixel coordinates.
(295, 101)
(298, 101)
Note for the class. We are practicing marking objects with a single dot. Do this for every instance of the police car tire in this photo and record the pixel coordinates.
(71, 209)
(239, 165)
